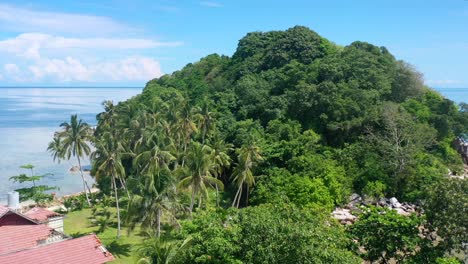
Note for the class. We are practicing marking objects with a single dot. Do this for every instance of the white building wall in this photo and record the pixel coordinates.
(56, 223)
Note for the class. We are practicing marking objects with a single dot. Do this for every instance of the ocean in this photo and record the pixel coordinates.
(30, 116)
(28, 119)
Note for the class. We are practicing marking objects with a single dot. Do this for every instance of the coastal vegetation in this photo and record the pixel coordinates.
(242, 159)
(38, 193)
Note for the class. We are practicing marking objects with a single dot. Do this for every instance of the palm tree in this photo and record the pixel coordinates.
(107, 158)
(206, 120)
(158, 191)
(248, 157)
(74, 138)
(187, 125)
(107, 120)
(221, 160)
(149, 202)
(198, 175)
(158, 251)
(55, 148)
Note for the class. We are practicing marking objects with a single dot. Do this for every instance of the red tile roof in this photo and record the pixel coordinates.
(17, 237)
(83, 250)
(41, 214)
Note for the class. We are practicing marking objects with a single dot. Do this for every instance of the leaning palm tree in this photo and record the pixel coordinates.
(198, 174)
(75, 137)
(107, 159)
(248, 157)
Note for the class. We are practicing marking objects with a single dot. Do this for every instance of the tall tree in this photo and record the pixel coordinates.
(206, 120)
(158, 191)
(221, 160)
(198, 174)
(55, 148)
(75, 138)
(107, 158)
(248, 157)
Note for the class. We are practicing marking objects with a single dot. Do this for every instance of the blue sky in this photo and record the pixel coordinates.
(112, 43)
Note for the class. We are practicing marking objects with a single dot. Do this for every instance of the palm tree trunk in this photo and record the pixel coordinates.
(122, 182)
(247, 196)
(192, 200)
(158, 220)
(203, 134)
(84, 182)
(235, 197)
(116, 204)
(217, 200)
(240, 195)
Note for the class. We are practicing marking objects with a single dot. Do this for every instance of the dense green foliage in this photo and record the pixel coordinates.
(289, 126)
(265, 234)
(386, 235)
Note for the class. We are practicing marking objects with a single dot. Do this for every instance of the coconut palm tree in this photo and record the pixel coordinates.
(107, 158)
(159, 251)
(248, 157)
(158, 191)
(154, 196)
(198, 174)
(221, 160)
(74, 139)
(206, 120)
(55, 148)
(187, 126)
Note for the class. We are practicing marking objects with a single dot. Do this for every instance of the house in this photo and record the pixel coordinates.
(52, 219)
(32, 238)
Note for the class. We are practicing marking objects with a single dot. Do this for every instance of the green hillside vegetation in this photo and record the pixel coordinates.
(285, 129)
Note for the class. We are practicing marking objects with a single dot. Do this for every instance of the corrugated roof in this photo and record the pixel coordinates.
(17, 237)
(41, 214)
(83, 250)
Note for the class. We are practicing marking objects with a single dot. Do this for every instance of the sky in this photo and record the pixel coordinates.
(127, 43)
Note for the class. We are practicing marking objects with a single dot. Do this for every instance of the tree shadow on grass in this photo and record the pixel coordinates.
(79, 234)
(119, 249)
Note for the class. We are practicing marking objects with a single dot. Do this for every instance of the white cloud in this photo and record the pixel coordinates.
(71, 70)
(11, 68)
(25, 20)
(28, 45)
(210, 4)
(55, 47)
(12, 71)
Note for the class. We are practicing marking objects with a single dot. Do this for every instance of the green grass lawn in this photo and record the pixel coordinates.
(78, 223)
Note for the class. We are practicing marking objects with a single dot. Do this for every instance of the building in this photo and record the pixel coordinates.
(37, 237)
(51, 219)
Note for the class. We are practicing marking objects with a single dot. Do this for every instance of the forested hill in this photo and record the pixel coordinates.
(287, 128)
(353, 118)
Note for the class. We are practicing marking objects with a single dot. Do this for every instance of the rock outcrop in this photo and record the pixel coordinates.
(347, 215)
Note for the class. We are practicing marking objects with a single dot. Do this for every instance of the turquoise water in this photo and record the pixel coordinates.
(458, 95)
(28, 119)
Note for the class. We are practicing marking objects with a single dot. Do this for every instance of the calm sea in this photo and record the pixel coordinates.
(28, 119)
